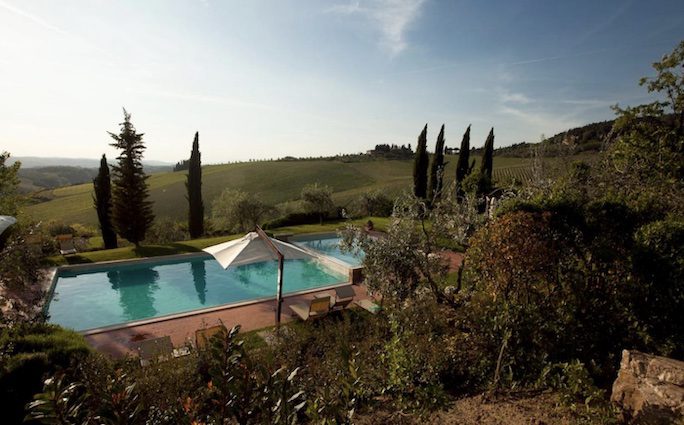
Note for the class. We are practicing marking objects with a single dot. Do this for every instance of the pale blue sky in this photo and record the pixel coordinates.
(262, 79)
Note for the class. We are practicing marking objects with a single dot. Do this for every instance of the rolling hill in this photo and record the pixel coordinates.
(276, 182)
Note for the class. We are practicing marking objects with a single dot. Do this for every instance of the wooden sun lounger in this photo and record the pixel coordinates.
(316, 308)
(344, 295)
(203, 336)
(369, 306)
(66, 244)
(158, 349)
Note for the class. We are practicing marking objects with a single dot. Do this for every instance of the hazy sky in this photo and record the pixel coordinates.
(262, 79)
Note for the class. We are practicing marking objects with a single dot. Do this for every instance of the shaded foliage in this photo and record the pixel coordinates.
(420, 166)
(29, 353)
(103, 204)
(437, 169)
(194, 188)
(9, 182)
(463, 168)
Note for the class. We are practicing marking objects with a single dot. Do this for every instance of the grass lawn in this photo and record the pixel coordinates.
(196, 245)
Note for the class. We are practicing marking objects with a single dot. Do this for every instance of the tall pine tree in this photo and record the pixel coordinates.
(102, 199)
(487, 164)
(462, 167)
(194, 188)
(420, 166)
(131, 209)
(437, 168)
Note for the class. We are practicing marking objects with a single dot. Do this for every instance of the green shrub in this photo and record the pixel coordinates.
(164, 230)
(55, 228)
(31, 352)
(292, 219)
(375, 204)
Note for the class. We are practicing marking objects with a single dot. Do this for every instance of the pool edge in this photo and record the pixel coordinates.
(103, 329)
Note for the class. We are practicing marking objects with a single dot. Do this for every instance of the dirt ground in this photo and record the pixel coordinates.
(527, 409)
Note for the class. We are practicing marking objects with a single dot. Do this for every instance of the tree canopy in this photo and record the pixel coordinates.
(131, 208)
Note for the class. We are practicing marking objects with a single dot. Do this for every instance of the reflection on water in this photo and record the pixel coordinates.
(310, 271)
(136, 288)
(245, 274)
(199, 277)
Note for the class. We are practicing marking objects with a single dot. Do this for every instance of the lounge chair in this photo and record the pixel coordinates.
(159, 349)
(316, 308)
(203, 336)
(66, 244)
(344, 295)
(368, 305)
(155, 349)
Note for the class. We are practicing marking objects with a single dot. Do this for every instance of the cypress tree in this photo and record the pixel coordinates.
(488, 156)
(420, 166)
(194, 188)
(462, 166)
(102, 200)
(436, 168)
(131, 210)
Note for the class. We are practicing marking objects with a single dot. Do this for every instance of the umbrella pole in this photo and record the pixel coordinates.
(279, 298)
(281, 257)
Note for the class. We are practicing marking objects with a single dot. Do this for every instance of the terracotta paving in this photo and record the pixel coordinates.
(455, 259)
(120, 342)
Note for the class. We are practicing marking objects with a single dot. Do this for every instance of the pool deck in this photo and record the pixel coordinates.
(121, 342)
(260, 315)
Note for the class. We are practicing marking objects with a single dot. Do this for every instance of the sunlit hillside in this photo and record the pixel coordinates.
(275, 182)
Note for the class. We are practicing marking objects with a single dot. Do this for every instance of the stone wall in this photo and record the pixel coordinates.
(649, 389)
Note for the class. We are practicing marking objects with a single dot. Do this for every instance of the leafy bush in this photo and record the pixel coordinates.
(55, 228)
(164, 230)
(222, 385)
(660, 269)
(318, 199)
(19, 262)
(573, 382)
(30, 353)
(375, 203)
(237, 211)
(292, 219)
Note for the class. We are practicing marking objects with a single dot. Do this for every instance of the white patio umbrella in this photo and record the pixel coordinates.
(5, 222)
(256, 247)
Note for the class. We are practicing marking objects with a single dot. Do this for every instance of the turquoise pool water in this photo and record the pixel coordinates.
(116, 294)
(331, 246)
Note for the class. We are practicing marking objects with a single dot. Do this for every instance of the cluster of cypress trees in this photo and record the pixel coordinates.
(431, 189)
(122, 203)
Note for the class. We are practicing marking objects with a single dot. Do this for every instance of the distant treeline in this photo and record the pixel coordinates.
(57, 176)
(588, 138)
(41, 178)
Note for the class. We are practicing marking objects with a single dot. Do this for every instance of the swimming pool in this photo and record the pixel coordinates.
(330, 245)
(115, 294)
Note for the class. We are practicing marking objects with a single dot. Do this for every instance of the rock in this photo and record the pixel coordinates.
(649, 389)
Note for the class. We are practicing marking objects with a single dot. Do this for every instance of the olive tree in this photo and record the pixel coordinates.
(238, 211)
(318, 199)
(408, 257)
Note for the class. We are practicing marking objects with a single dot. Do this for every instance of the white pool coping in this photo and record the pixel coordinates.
(173, 316)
